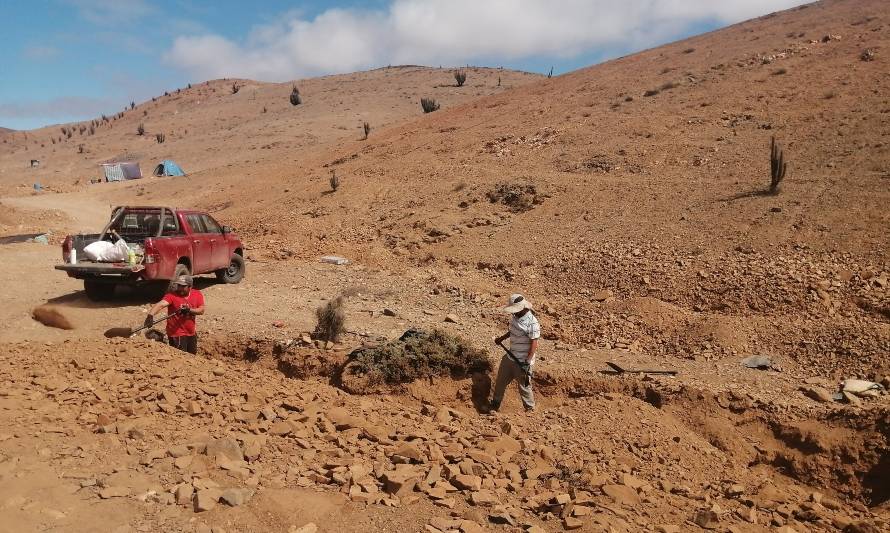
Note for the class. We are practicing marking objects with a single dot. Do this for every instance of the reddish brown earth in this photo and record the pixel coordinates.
(642, 235)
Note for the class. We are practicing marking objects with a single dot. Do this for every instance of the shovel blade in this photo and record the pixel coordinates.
(118, 332)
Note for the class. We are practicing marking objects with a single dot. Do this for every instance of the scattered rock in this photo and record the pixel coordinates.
(706, 519)
(236, 497)
(206, 499)
(622, 494)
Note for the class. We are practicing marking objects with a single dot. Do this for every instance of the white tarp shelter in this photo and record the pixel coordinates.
(121, 171)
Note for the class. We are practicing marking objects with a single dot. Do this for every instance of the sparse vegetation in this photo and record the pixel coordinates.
(331, 320)
(132, 105)
(518, 197)
(689, 50)
(664, 87)
(264, 109)
(419, 355)
(235, 88)
(295, 96)
(145, 112)
(460, 76)
(429, 105)
(190, 86)
(366, 128)
(160, 137)
(140, 129)
(79, 148)
(778, 166)
(867, 55)
(92, 130)
(334, 181)
(780, 71)
(550, 74)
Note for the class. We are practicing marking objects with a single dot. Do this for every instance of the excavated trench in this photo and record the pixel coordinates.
(845, 451)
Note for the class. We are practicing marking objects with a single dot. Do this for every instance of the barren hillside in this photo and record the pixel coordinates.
(210, 127)
(627, 200)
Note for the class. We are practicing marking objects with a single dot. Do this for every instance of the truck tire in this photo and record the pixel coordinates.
(181, 270)
(98, 291)
(235, 272)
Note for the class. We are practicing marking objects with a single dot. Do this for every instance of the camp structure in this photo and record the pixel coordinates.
(121, 171)
(168, 168)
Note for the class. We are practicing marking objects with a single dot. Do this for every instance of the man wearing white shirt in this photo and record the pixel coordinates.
(517, 365)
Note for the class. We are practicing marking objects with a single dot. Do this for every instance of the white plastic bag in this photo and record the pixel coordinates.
(106, 252)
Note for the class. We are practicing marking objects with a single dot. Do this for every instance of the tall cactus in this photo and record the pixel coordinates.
(778, 166)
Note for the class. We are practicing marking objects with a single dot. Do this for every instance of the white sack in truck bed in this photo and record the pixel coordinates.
(106, 252)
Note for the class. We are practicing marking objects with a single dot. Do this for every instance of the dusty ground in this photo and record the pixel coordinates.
(641, 233)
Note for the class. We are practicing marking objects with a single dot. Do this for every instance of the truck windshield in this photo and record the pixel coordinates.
(138, 224)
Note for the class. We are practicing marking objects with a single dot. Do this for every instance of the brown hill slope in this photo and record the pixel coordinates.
(693, 158)
(649, 172)
(208, 126)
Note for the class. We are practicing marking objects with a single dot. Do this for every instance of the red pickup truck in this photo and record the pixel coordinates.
(163, 244)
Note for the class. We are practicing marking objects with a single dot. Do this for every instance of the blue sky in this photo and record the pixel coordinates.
(66, 60)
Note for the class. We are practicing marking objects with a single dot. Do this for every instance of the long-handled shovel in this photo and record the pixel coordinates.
(524, 366)
(129, 332)
(619, 370)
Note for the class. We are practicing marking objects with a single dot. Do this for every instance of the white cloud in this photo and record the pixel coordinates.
(453, 32)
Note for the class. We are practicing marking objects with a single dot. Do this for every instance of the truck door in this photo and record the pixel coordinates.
(218, 244)
(201, 250)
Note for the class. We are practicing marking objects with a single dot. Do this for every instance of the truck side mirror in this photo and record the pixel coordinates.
(227, 229)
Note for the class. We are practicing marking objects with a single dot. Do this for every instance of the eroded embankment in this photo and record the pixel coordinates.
(845, 451)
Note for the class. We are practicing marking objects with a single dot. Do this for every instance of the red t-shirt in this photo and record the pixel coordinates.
(179, 325)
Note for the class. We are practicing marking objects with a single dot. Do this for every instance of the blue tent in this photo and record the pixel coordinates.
(168, 168)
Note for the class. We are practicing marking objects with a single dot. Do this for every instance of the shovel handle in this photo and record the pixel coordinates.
(158, 321)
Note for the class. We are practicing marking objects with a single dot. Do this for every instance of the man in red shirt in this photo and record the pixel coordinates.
(183, 303)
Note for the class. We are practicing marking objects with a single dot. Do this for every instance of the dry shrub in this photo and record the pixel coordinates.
(518, 197)
(331, 320)
(429, 105)
(51, 316)
(418, 354)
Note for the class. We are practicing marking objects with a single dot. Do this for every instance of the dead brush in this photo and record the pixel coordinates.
(331, 320)
(429, 105)
(518, 197)
(419, 355)
(334, 181)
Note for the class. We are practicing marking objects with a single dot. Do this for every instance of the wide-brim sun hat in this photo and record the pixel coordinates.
(516, 303)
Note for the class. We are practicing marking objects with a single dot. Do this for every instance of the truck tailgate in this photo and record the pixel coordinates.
(101, 269)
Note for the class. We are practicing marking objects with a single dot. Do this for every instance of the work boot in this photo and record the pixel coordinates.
(492, 407)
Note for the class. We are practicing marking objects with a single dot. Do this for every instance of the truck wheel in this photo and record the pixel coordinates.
(181, 270)
(234, 273)
(98, 291)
